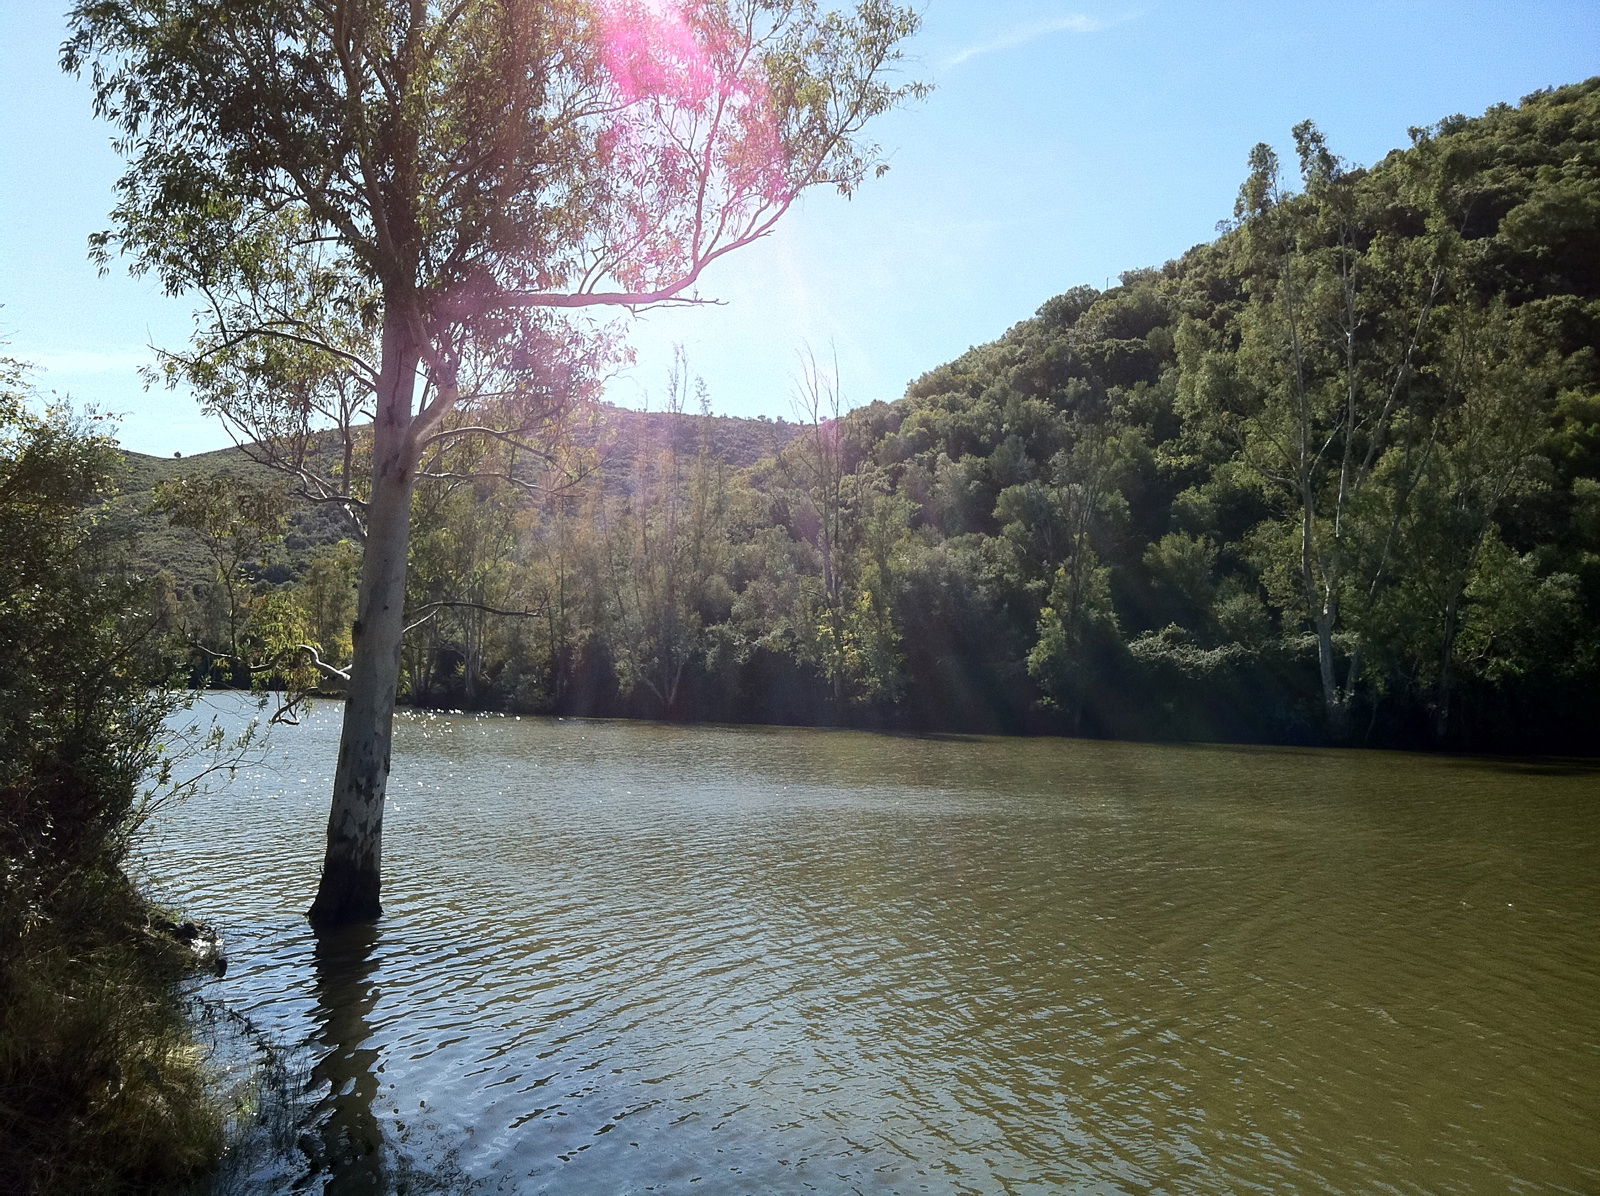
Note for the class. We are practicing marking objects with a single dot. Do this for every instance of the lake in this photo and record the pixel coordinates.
(621, 957)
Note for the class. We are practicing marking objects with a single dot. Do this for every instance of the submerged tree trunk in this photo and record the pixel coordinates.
(1335, 701)
(1447, 657)
(352, 864)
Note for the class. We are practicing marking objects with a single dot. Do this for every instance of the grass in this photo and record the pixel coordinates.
(102, 1087)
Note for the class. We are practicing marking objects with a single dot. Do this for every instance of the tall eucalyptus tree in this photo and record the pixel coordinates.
(395, 199)
(1332, 343)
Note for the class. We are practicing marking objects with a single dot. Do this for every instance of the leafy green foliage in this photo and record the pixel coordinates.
(1334, 475)
(99, 1088)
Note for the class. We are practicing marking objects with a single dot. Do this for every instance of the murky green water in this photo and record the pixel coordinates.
(632, 958)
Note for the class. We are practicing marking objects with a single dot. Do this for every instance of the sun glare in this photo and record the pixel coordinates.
(694, 98)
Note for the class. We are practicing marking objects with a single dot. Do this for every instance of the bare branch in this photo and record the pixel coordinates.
(433, 608)
(310, 655)
(491, 434)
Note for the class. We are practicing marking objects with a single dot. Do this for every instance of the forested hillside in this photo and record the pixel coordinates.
(1334, 476)
(147, 485)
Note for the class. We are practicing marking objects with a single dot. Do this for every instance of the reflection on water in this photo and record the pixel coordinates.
(621, 957)
(350, 1145)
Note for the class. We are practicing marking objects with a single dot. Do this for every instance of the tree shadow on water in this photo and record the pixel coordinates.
(1531, 766)
(343, 1139)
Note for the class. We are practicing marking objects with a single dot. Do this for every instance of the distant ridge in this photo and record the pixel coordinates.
(736, 441)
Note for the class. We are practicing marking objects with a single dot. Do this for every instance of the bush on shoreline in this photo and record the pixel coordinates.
(101, 1087)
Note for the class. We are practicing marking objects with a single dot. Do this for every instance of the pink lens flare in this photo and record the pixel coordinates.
(651, 50)
(697, 119)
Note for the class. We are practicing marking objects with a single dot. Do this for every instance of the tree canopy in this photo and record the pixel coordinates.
(384, 204)
(1334, 476)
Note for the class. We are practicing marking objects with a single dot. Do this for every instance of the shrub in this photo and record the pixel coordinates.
(100, 1088)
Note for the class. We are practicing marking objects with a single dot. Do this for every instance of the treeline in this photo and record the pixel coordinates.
(1332, 477)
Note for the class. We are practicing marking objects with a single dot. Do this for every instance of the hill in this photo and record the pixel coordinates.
(621, 436)
(1334, 473)
(1332, 477)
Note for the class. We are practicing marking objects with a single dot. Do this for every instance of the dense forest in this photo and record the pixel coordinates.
(1333, 477)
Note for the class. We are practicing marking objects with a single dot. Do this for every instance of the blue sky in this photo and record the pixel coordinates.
(1065, 143)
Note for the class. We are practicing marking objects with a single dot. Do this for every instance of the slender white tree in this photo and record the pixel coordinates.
(382, 203)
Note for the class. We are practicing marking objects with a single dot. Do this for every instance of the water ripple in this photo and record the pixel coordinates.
(631, 958)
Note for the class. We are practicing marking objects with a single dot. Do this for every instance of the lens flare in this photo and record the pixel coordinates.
(695, 119)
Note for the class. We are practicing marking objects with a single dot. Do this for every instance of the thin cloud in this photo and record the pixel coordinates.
(90, 361)
(1025, 34)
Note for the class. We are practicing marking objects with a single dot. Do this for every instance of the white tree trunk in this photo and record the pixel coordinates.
(1336, 702)
(352, 865)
